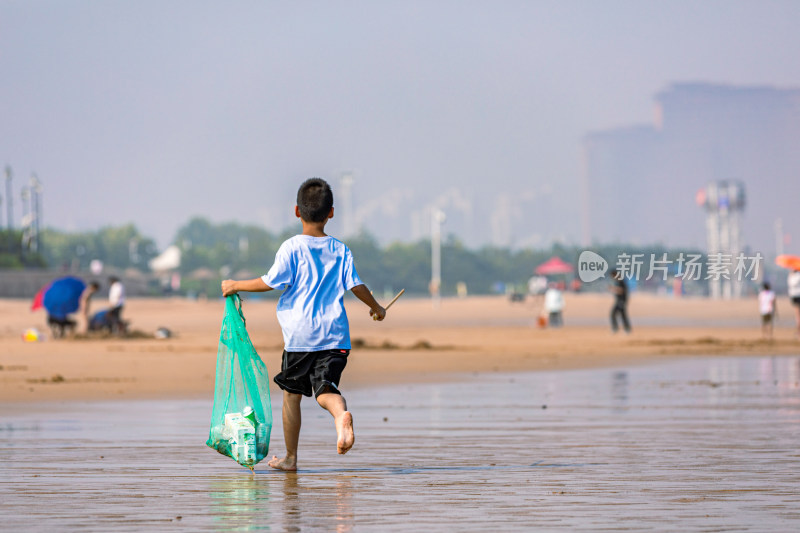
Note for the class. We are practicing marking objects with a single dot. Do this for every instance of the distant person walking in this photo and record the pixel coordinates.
(794, 295)
(116, 301)
(766, 305)
(554, 306)
(620, 291)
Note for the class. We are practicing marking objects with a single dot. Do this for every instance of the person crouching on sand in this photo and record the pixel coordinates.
(314, 271)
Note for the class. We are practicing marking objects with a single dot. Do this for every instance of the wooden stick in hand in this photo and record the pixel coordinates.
(399, 294)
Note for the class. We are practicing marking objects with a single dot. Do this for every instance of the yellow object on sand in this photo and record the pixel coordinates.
(31, 335)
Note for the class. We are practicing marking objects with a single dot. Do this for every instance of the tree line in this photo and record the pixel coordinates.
(212, 251)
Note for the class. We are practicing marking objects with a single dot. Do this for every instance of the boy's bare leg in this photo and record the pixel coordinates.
(291, 432)
(335, 404)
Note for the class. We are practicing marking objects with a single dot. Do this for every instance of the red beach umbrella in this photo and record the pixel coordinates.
(38, 300)
(60, 298)
(792, 262)
(554, 265)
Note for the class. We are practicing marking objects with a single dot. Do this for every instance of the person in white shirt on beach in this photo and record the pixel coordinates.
(794, 295)
(116, 301)
(553, 306)
(766, 305)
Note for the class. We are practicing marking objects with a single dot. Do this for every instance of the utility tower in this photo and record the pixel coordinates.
(724, 202)
(31, 215)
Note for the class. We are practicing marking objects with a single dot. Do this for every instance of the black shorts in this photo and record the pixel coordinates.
(312, 372)
(796, 300)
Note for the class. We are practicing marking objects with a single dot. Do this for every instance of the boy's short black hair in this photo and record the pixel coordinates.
(766, 286)
(315, 200)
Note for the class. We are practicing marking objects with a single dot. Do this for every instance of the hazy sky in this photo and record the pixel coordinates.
(155, 111)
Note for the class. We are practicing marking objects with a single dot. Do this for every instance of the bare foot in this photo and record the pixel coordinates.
(286, 464)
(344, 430)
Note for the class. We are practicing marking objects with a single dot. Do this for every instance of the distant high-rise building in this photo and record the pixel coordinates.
(641, 182)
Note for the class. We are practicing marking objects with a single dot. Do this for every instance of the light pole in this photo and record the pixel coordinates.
(778, 236)
(133, 251)
(348, 222)
(36, 212)
(437, 219)
(9, 199)
(26, 218)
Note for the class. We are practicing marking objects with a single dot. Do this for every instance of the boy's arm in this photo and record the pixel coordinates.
(230, 286)
(363, 294)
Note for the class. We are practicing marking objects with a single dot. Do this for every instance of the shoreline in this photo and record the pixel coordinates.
(11, 407)
(416, 344)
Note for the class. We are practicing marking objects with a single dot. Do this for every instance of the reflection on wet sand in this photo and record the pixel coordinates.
(619, 388)
(320, 504)
(291, 503)
(237, 501)
(695, 444)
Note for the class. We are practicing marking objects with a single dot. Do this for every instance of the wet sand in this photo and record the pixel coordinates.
(467, 418)
(416, 344)
(696, 444)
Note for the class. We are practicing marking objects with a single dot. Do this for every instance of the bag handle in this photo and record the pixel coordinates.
(237, 304)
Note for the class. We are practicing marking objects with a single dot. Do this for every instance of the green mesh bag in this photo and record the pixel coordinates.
(242, 417)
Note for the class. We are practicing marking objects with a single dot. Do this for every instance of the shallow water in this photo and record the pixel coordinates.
(704, 444)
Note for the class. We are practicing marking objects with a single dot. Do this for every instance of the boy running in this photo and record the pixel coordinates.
(314, 271)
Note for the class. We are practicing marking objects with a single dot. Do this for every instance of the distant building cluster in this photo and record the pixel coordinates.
(641, 183)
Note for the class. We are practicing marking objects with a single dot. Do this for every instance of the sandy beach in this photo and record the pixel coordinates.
(469, 418)
(417, 343)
